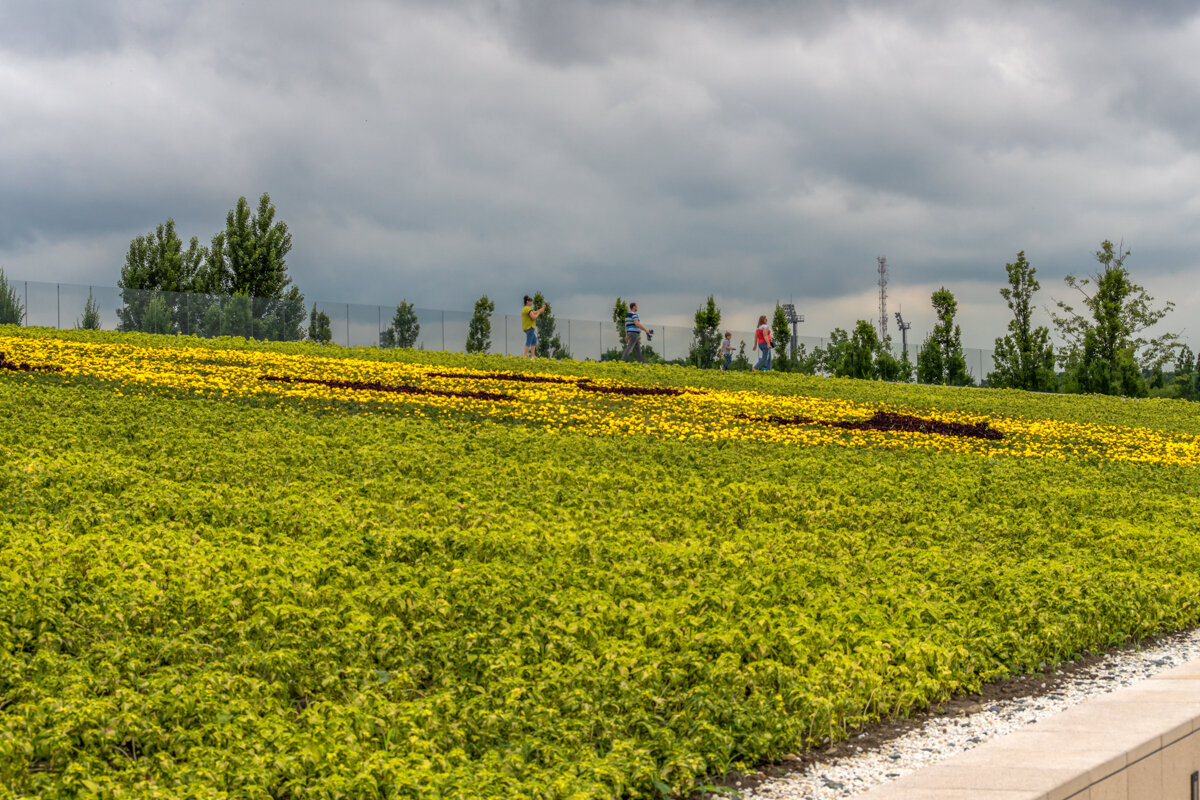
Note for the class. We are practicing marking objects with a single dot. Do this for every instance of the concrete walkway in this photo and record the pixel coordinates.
(1140, 743)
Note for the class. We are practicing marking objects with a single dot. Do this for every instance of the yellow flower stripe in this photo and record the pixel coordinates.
(694, 414)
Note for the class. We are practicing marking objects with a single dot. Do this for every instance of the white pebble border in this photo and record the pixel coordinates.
(941, 737)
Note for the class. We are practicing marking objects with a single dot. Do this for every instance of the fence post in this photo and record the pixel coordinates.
(506, 334)
(443, 330)
(25, 310)
(58, 302)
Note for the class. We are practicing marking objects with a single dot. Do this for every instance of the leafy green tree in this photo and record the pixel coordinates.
(157, 316)
(319, 327)
(781, 332)
(1106, 351)
(941, 360)
(830, 357)
(740, 362)
(479, 332)
(1024, 358)
(549, 345)
(1184, 379)
(249, 258)
(90, 321)
(155, 263)
(859, 360)
(12, 310)
(804, 362)
(706, 335)
(620, 309)
(890, 368)
(405, 328)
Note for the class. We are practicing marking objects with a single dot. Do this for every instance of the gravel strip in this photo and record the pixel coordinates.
(940, 737)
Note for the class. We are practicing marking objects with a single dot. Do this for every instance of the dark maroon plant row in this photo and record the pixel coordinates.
(24, 367)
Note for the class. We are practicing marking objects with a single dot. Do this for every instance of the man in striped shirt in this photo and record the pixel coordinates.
(633, 334)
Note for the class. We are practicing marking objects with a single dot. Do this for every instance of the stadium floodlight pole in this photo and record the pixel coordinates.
(789, 310)
(904, 326)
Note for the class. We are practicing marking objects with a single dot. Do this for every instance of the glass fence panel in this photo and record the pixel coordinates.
(61, 305)
(582, 339)
(41, 303)
(456, 325)
(365, 323)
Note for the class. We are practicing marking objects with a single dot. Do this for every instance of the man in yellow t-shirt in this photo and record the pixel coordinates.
(529, 317)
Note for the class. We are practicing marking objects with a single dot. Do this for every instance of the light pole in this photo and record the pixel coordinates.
(904, 326)
(789, 310)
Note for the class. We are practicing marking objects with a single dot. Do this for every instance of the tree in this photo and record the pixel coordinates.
(741, 362)
(249, 258)
(1184, 379)
(319, 328)
(405, 328)
(157, 316)
(706, 335)
(782, 335)
(90, 321)
(940, 360)
(829, 359)
(155, 263)
(859, 360)
(620, 309)
(804, 362)
(12, 310)
(479, 332)
(1106, 351)
(890, 368)
(1024, 358)
(548, 343)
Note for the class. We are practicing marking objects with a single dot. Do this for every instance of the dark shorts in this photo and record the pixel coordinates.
(530, 337)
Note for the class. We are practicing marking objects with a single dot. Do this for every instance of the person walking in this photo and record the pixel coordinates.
(762, 340)
(725, 351)
(633, 334)
(529, 317)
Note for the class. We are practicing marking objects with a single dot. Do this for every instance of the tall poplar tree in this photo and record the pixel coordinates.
(706, 335)
(941, 360)
(549, 344)
(479, 332)
(1106, 350)
(1024, 358)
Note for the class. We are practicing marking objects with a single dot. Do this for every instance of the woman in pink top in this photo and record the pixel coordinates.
(762, 340)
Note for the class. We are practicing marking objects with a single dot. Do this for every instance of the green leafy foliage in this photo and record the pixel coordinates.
(940, 359)
(479, 331)
(1024, 358)
(1106, 350)
(706, 335)
(549, 343)
(319, 329)
(206, 598)
(12, 310)
(405, 328)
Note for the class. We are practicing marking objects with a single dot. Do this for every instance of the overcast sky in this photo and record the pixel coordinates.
(661, 151)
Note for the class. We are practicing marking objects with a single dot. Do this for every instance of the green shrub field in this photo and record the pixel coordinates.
(207, 596)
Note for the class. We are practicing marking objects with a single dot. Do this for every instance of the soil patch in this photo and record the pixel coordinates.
(380, 387)
(887, 421)
(631, 391)
(15, 366)
(514, 377)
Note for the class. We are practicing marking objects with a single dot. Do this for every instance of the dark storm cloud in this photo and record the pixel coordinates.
(437, 151)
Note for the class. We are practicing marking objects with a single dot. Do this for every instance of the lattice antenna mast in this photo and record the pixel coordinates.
(882, 296)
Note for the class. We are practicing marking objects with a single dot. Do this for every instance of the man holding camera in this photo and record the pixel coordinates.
(633, 334)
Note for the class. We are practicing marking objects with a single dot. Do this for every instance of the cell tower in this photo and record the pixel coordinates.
(882, 296)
